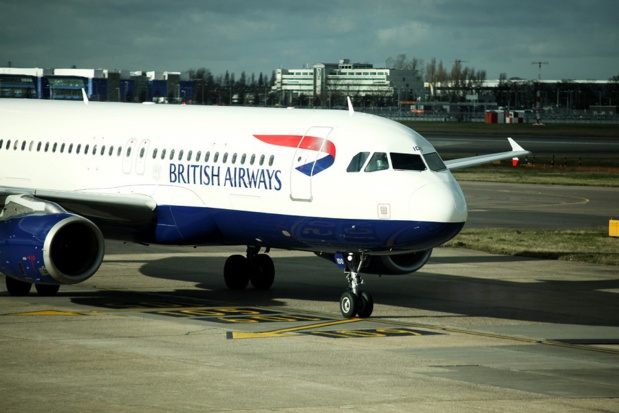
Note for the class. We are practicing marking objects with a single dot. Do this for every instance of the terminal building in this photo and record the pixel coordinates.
(99, 84)
(328, 84)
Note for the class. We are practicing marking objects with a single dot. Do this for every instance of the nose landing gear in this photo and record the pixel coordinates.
(354, 301)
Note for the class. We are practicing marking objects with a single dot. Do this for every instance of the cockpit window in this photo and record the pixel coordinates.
(378, 162)
(434, 161)
(407, 162)
(357, 162)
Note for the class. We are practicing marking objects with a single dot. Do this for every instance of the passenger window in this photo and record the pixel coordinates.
(407, 162)
(357, 162)
(243, 158)
(111, 151)
(252, 159)
(172, 154)
(154, 153)
(46, 146)
(233, 159)
(86, 150)
(71, 148)
(225, 158)
(216, 157)
(8, 144)
(39, 147)
(163, 154)
(189, 155)
(102, 150)
(271, 159)
(62, 148)
(15, 145)
(378, 162)
(23, 146)
(198, 155)
(261, 160)
(207, 156)
(78, 149)
(180, 155)
(142, 151)
(128, 154)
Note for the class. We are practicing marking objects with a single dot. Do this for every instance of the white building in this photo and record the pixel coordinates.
(327, 84)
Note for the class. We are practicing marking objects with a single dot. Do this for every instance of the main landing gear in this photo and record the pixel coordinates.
(255, 268)
(354, 301)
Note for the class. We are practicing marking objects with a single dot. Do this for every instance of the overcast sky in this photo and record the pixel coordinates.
(578, 38)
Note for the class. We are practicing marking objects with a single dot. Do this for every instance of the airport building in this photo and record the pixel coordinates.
(328, 84)
(99, 84)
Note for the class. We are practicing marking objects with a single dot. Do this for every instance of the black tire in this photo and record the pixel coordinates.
(47, 289)
(263, 273)
(17, 288)
(236, 272)
(366, 305)
(348, 304)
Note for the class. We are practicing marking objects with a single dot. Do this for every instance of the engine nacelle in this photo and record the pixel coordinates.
(58, 248)
(397, 264)
(391, 264)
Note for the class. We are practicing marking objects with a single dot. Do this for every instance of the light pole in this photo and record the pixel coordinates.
(538, 95)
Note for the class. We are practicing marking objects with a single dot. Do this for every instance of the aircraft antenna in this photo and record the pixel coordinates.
(84, 96)
(351, 110)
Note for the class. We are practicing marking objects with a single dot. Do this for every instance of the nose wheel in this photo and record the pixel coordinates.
(354, 301)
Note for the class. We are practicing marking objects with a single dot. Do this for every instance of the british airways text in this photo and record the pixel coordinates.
(230, 176)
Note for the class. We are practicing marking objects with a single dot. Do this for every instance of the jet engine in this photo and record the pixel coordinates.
(50, 248)
(397, 264)
(391, 264)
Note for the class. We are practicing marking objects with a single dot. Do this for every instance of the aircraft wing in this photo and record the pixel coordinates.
(132, 209)
(516, 151)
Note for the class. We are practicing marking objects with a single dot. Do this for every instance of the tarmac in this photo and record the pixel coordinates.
(156, 330)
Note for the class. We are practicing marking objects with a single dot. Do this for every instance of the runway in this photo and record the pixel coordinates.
(156, 330)
(502, 205)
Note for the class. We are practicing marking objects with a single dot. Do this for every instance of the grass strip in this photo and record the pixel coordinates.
(589, 245)
(549, 176)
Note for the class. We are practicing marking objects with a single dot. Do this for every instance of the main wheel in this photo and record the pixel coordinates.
(236, 272)
(47, 289)
(263, 273)
(348, 304)
(366, 304)
(16, 287)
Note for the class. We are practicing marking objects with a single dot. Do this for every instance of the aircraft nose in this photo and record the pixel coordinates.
(438, 202)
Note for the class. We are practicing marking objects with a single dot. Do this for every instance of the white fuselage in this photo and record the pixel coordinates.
(250, 172)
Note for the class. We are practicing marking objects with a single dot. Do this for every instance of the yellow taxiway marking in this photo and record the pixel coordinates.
(288, 331)
(50, 313)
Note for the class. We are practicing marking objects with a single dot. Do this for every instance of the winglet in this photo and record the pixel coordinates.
(351, 110)
(84, 96)
(514, 144)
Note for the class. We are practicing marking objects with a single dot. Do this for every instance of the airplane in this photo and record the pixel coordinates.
(366, 192)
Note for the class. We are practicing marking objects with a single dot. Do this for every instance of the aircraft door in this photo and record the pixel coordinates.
(304, 160)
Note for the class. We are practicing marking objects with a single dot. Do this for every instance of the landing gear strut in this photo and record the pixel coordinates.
(354, 301)
(254, 267)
